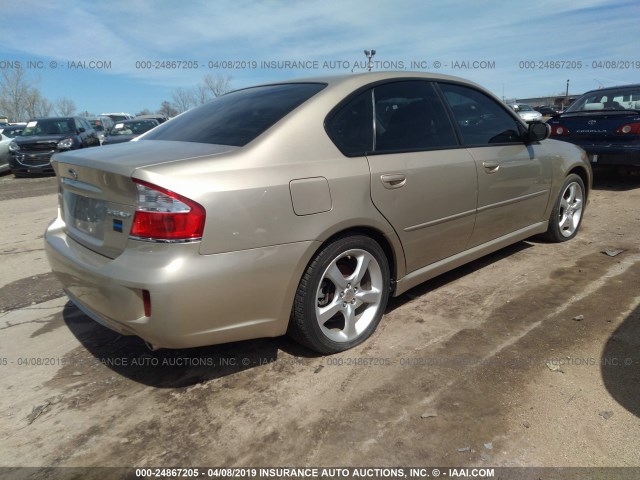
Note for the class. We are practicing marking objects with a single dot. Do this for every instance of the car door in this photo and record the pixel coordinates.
(92, 135)
(514, 177)
(421, 181)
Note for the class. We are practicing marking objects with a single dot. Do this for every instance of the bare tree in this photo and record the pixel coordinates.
(14, 89)
(43, 107)
(202, 94)
(217, 85)
(167, 109)
(36, 105)
(183, 99)
(145, 111)
(65, 107)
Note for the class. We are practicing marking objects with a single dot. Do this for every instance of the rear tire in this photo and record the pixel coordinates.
(341, 296)
(566, 216)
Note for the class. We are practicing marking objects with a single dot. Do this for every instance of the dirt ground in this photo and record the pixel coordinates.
(528, 357)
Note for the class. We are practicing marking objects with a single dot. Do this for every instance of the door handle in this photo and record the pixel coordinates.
(393, 180)
(491, 167)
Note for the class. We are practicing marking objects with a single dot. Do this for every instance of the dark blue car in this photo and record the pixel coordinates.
(605, 123)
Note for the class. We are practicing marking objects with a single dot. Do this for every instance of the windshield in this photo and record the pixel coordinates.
(237, 117)
(132, 127)
(49, 126)
(524, 108)
(614, 99)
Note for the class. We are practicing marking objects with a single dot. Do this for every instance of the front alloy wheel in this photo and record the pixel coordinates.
(566, 216)
(342, 296)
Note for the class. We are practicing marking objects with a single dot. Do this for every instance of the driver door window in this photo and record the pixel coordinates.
(480, 120)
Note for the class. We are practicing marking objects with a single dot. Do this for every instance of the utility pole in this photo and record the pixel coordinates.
(566, 95)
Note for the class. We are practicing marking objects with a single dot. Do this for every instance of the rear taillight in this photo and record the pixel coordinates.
(628, 129)
(163, 215)
(559, 130)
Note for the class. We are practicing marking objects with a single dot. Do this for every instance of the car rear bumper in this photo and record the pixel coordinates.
(608, 154)
(196, 299)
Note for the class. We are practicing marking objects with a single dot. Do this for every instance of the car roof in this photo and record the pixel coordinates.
(618, 87)
(362, 79)
(52, 118)
(137, 120)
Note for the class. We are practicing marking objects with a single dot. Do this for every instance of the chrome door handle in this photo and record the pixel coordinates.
(393, 180)
(491, 167)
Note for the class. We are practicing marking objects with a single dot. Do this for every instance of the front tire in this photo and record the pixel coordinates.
(341, 296)
(566, 215)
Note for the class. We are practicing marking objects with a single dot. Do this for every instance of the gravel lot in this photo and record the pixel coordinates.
(528, 357)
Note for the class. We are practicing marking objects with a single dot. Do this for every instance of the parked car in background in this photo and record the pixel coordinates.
(31, 151)
(4, 153)
(12, 131)
(117, 117)
(101, 125)
(527, 113)
(605, 123)
(160, 118)
(128, 130)
(547, 110)
(301, 206)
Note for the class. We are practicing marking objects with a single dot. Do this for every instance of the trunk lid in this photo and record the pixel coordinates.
(595, 127)
(97, 197)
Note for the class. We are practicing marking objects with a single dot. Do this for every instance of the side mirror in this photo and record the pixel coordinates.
(538, 131)
(81, 130)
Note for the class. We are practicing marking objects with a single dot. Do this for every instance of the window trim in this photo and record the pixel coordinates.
(452, 119)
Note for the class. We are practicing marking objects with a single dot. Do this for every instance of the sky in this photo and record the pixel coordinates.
(108, 56)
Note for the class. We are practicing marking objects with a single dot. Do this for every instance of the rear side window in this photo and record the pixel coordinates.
(481, 120)
(410, 117)
(238, 117)
(351, 128)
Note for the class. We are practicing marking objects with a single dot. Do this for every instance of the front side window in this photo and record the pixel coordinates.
(238, 117)
(480, 119)
(84, 124)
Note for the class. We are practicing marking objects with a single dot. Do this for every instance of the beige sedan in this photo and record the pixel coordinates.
(301, 206)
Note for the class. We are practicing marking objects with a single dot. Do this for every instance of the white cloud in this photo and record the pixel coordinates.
(502, 31)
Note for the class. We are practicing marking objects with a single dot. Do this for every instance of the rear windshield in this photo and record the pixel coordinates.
(238, 117)
(619, 99)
